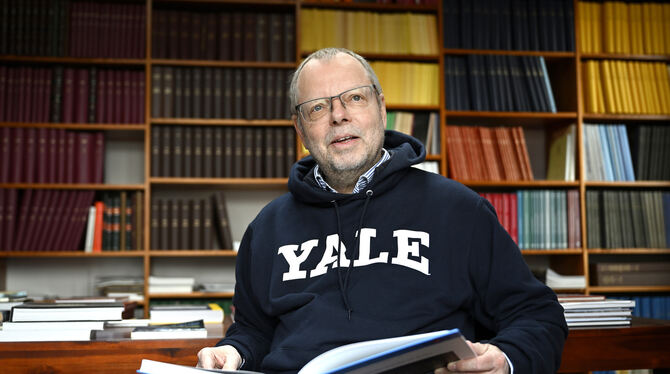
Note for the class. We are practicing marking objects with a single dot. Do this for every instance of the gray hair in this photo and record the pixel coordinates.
(328, 54)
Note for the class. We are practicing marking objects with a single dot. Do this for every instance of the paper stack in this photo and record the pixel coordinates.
(588, 311)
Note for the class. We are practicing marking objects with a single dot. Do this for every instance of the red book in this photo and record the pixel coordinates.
(117, 113)
(109, 96)
(98, 152)
(4, 72)
(81, 96)
(35, 233)
(97, 232)
(78, 221)
(62, 228)
(42, 154)
(17, 155)
(101, 97)
(11, 208)
(83, 157)
(22, 222)
(133, 98)
(30, 106)
(28, 217)
(46, 95)
(12, 97)
(127, 97)
(57, 202)
(29, 155)
(140, 34)
(141, 94)
(70, 154)
(68, 95)
(5, 153)
(61, 140)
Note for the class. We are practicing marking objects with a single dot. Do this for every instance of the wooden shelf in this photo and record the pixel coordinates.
(636, 184)
(628, 289)
(216, 63)
(230, 2)
(220, 122)
(64, 186)
(368, 6)
(74, 60)
(78, 126)
(546, 54)
(626, 117)
(223, 182)
(552, 252)
(514, 115)
(57, 254)
(629, 251)
(614, 56)
(521, 184)
(192, 295)
(410, 107)
(193, 253)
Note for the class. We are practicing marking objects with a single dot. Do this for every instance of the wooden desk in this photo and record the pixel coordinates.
(644, 345)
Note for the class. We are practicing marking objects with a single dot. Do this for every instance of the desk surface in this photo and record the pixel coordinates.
(644, 345)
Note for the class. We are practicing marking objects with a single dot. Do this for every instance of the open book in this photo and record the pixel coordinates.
(419, 353)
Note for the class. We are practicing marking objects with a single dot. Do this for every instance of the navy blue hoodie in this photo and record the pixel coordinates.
(431, 256)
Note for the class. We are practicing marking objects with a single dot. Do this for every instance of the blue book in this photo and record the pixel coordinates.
(419, 353)
(613, 142)
(625, 151)
(605, 151)
(547, 84)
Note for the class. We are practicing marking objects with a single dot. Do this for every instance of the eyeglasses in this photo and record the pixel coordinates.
(352, 99)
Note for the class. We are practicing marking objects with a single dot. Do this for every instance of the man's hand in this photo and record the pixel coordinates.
(225, 357)
(490, 359)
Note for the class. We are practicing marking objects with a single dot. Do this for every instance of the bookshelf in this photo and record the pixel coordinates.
(245, 195)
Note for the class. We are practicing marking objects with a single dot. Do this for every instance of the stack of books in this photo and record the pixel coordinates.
(183, 330)
(171, 284)
(177, 313)
(9, 299)
(59, 321)
(596, 310)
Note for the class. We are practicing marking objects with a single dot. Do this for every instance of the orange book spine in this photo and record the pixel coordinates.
(97, 231)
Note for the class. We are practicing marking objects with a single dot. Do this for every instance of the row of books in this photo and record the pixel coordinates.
(627, 219)
(498, 83)
(626, 87)
(248, 93)
(651, 151)
(369, 32)
(646, 273)
(425, 126)
(607, 153)
(74, 29)
(539, 219)
(546, 25)
(43, 220)
(408, 83)
(71, 95)
(222, 152)
(624, 27)
(223, 35)
(190, 224)
(562, 150)
(657, 307)
(44, 155)
(399, 2)
(488, 153)
(115, 222)
(596, 310)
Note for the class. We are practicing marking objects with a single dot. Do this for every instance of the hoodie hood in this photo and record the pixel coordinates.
(403, 149)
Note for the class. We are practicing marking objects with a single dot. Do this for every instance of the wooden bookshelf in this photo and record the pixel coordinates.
(564, 69)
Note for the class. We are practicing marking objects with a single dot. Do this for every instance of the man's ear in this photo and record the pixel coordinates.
(382, 108)
(297, 128)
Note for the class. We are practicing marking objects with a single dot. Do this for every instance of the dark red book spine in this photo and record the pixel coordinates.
(101, 97)
(5, 153)
(64, 224)
(4, 72)
(81, 96)
(70, 160)
(83, 157)
(126, 109)
(141, 87)
(17, 155)
(61, 142)
(98, 151)
(110, 97)
(42, 154)
(68, 95)
(11, 207)
(36, 230)
(52, 156)
(30, 153)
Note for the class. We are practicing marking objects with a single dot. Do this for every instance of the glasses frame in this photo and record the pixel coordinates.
(330, 100)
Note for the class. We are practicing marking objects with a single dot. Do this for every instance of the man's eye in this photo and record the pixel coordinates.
(316, 108)
(356, 98)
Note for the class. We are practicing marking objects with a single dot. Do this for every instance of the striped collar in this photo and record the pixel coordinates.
(363, 181)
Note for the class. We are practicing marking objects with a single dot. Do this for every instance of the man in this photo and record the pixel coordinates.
(365, 247)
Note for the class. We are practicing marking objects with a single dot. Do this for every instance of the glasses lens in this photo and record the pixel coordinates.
(315, 109)
(358, 97)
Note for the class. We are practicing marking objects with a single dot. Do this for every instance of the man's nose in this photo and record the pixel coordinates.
(338, 112)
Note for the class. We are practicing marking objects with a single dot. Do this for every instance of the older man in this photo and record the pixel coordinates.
(365, 247)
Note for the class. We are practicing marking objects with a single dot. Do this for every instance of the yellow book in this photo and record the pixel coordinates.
(634, 87)
(650, 88)
(340, 24)
(597, 27)
(666, 28)
(589, 88)
(609, 27)
(606, 76)
(626, 89)
(637, 43)
(664, 85)
(619, 106)
(658, 29)
(433, 39)
(647, 27)
(582, 22)
(376, 35)
(306, 30)
(645, 102)
(600, 96)
(624, 33)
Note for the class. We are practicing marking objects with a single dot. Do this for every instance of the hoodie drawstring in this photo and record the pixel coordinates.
(345, 283)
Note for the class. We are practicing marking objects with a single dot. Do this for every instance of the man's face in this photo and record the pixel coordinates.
(345, 140)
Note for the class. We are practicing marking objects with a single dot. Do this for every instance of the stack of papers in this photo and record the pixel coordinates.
(591, 311)
(171, 284)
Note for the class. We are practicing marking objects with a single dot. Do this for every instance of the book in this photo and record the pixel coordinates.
(414, 353)
(157, 367)
(50, 311)
(176, 313)
(183, 330)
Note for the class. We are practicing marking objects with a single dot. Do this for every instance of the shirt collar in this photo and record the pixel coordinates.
(363, 181)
